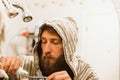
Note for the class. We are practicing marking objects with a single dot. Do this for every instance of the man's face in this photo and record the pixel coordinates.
(52, 48)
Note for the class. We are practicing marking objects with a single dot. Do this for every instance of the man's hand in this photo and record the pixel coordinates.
(10, 64)
(61, 75)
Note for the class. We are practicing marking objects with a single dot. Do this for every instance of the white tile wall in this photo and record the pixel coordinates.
(117, 7)
(117, 3)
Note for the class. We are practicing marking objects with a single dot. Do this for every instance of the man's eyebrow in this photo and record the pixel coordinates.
(53, 38)
(42, 37)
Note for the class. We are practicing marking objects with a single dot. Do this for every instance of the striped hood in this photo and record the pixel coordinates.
(68, 31)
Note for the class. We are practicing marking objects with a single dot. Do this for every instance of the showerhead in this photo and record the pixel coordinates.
(12, 12)
(27, 16)
(12, 8)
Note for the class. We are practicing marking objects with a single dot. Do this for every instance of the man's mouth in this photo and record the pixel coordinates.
(48, 57)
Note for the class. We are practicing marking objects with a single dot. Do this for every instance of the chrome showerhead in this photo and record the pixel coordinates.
(13, 7)
(27, 16)
(12, 12)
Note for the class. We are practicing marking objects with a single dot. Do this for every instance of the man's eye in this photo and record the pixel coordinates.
(55, 42)
(43, 41)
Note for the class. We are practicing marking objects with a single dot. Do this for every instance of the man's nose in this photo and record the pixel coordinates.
(47, 47)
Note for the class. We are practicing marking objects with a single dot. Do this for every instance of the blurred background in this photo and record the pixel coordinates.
(98, 22)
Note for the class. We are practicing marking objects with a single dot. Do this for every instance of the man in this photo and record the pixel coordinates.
(54, 54)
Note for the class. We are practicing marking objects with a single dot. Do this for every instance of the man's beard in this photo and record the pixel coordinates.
(47, 68)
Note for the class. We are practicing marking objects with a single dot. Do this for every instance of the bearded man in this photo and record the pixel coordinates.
(54, 54)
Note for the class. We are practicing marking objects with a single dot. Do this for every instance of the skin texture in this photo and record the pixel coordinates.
(52, 48)
(10, 64)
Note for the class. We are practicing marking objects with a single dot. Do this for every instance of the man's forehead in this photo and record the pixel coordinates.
(47, 34)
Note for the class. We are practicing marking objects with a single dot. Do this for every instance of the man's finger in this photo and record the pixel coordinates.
(15, 63)
(62, 75)
(6, 63)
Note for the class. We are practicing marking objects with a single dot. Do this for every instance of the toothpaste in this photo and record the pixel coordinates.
(20, 71)
(3, 75)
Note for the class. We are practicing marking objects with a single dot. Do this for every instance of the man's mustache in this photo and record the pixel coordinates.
(48, 55)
